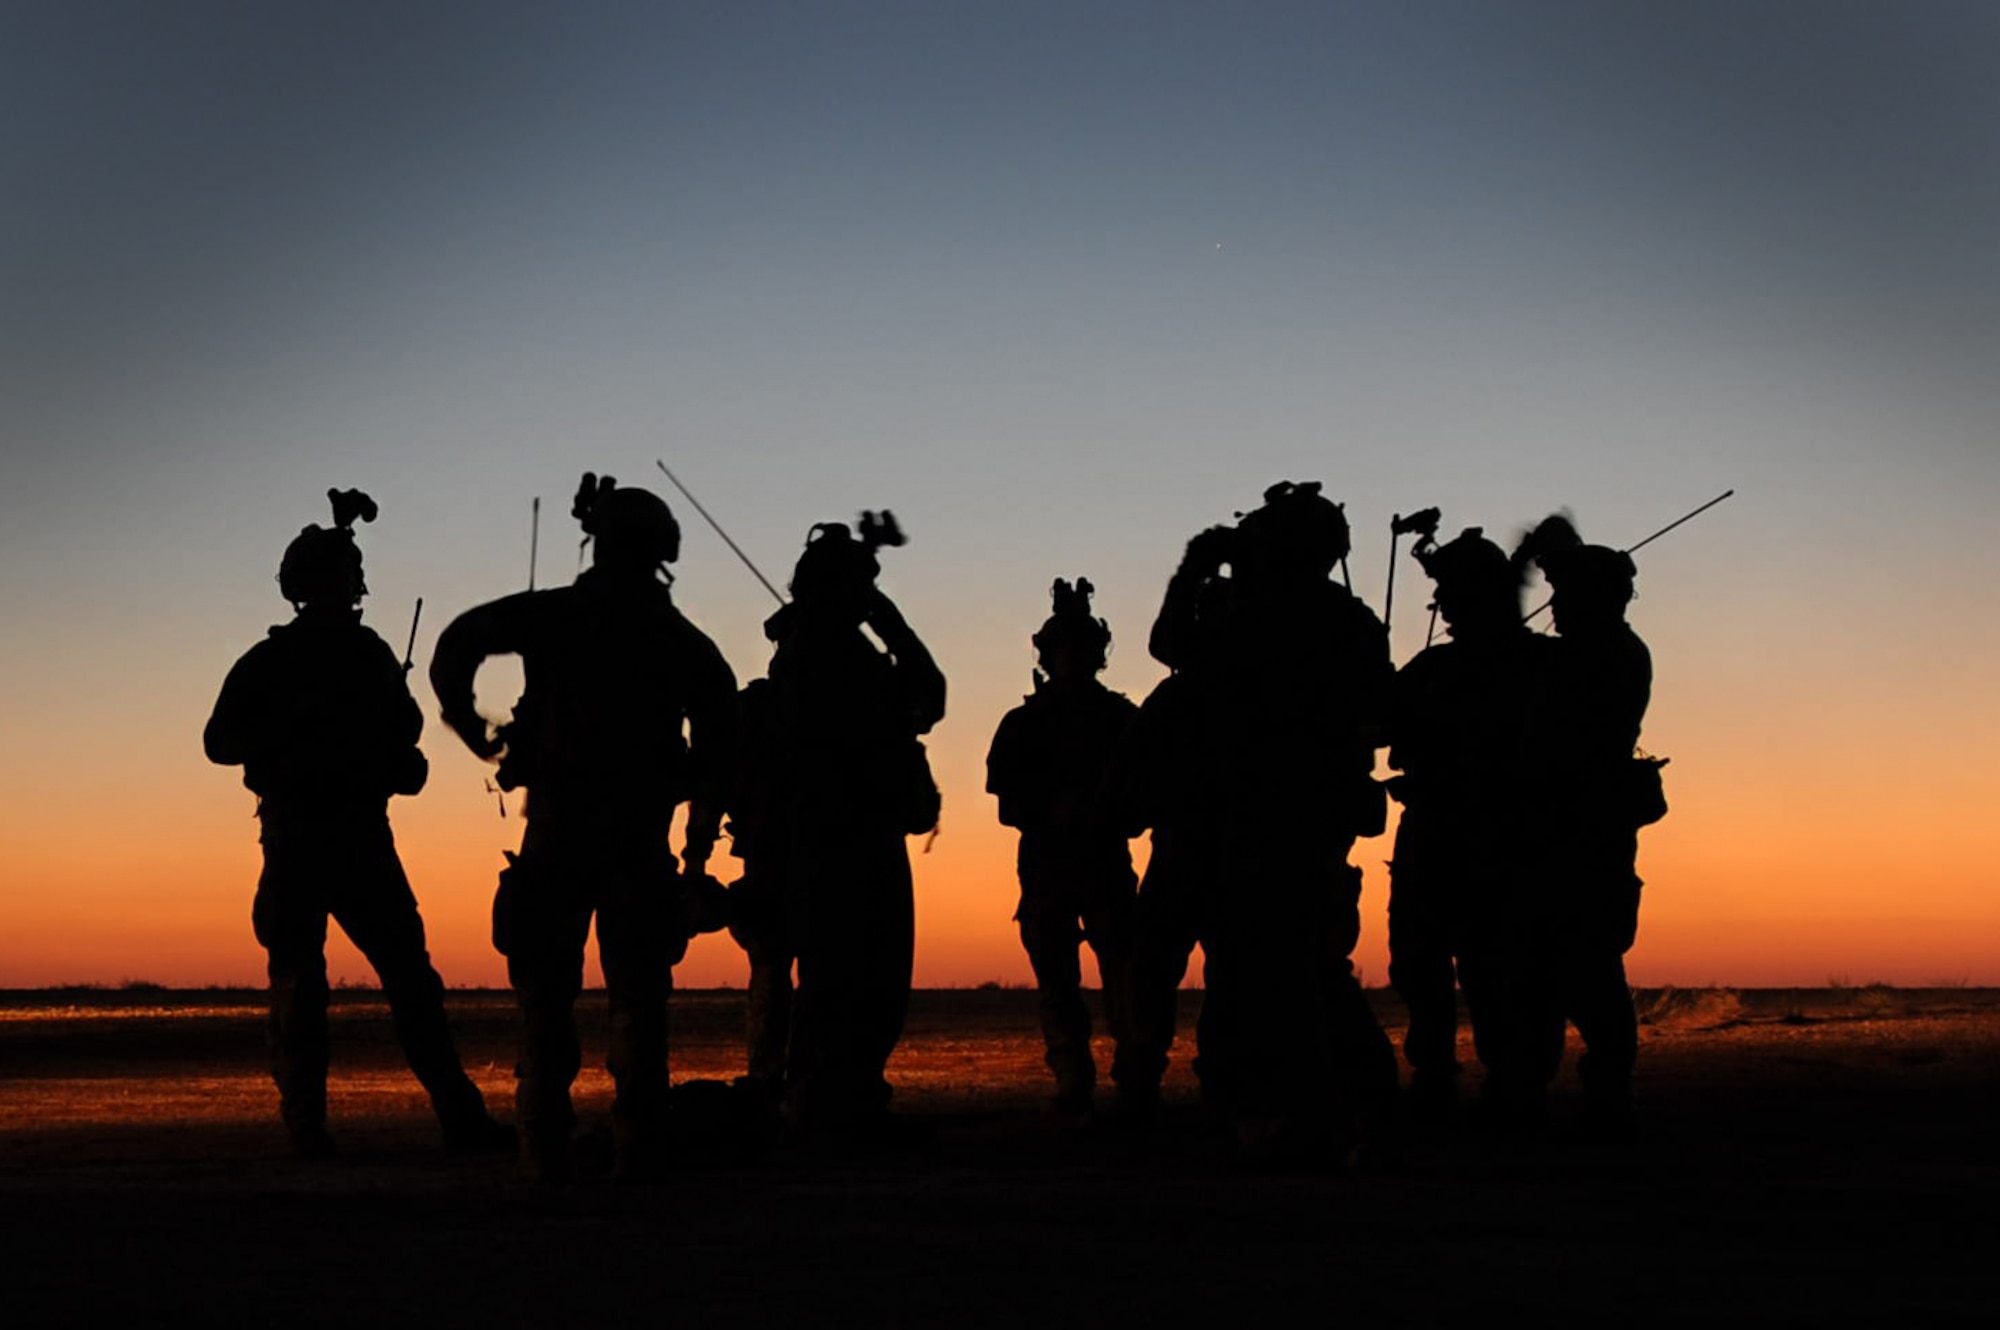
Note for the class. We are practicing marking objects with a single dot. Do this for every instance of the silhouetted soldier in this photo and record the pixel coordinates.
(321, 720)
(1264, 740)
(848, 781)
(627, 711)
(1048, 763)
(1459, 736)
(1582, 912)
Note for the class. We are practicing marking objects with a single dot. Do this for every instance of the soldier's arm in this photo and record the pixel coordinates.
(714, 747)
(1003, 770)
(1173, 641)
(234, 732)
(494, 629)
(917, 674)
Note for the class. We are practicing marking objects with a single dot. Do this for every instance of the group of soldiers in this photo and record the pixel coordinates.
(1251, 766)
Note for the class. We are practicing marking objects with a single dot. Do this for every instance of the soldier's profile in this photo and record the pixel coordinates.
(627, 711)
(1458, 735)
(1256, 758)
(1048, 765)
(1582, 914)
(319, 716)
(843, 782)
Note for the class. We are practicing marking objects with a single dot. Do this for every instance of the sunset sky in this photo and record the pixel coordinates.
(1061, 284)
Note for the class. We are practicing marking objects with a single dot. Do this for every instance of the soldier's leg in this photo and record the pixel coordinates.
(856, 947)
(641, 935)
(768, 1014)
(1166, 928)
(289, 919)
(1420, 960)
(1308, 1053)
(1601, 1003)
(378, 911)
(1049, 932)
(758, 925)
(892, 958)
(1110, 925)
(540, 924)
(1362, 1060)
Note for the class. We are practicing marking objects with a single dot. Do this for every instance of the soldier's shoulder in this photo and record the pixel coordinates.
(1437, 656)
(1114, 702)
(1347, 609)
(1022, 716)
(517, 606)
(265, 655)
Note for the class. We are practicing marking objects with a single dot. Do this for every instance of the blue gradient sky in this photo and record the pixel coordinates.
(1061, 284)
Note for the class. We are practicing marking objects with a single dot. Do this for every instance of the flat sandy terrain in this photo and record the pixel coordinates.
(1806, 1157)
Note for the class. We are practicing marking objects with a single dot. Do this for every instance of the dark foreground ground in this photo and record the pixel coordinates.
(1807, 1158)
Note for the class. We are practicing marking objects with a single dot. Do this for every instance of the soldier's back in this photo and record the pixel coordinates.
(612, 673)
(319, 716)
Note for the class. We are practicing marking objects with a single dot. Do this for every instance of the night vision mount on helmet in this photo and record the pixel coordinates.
(1469, 559)
(838, 561)
(322, 565)
(628, 525)
(1071, 623)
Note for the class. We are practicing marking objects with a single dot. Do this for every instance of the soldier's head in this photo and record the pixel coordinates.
(1591, 586)
(630, 530)
(835, 574)
(321, 568)
(1478, 592)
(1072, 644)
(1297, 535)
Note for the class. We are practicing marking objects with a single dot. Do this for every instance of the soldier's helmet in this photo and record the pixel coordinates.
(1596, 574)
(1297, 528)
(629, 526)
(1588, 576)
(322, 565)
(1071, 624)
(1469, 561)
(1477, 585)
(838, 566)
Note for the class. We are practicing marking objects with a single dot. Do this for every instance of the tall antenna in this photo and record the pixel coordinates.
(734, 548)
(534, 538)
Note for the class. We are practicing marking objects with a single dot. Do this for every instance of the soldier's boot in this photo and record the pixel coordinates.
(1069, 1059)
(1072, 1103)
(548, 1121)
(303, 1109)
(1432, 1099)
(1136, 1105)
(545, 1157)
(483, 1134)
(1512, 1106)
(1607, 1098)
(416, 1002)
(640, 1147)
(298, 1039)
(768, 1018)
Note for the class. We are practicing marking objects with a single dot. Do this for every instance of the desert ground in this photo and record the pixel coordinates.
(1806, 1156)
